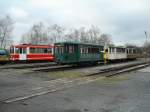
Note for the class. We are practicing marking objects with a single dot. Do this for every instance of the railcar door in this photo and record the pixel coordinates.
(22, 54)
(71, 53)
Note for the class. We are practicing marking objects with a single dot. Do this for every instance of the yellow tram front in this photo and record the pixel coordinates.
(4, 56)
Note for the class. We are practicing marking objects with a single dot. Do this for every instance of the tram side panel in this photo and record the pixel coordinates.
(116, 53)
(31, 53)
(70, 52)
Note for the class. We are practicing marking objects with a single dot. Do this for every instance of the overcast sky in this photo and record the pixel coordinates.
(125, 20)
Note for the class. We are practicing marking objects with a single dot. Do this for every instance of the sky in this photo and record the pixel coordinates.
(124, 20)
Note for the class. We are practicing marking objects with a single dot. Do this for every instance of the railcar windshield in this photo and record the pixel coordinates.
(20, 50)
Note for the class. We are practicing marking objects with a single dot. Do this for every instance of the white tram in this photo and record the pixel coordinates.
(116, 53)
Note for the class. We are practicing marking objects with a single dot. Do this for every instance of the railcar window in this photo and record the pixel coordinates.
(84, 50)
(20, 50)
(101, 49)
(49, 50)
(17, 50)
(66, 48)
(89, 50)
(129, 51)
(32, 50)
(95, 50)
(71, 48)
(40, 50)
(134, 51)
(44, 50)
(109, 50)
(121, 50)
(24, 50)
(81, 50)
(113, 50)
(59, 49)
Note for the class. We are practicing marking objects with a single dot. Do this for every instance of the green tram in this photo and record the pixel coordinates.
(4, 56)
(78, 53)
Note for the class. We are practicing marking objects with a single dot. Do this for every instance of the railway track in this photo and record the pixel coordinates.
(67, 67)
(65, 83)
(28, 65)
(118, 70)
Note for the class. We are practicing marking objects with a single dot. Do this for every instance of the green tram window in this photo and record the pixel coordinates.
(59, 49)
(93, 50)
(84, 50)
(69, 48)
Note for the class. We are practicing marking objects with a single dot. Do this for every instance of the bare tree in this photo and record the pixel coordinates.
(146, 48)
(83, 35)
(93, 34)
(72, 35)
(6, 28)
(105, 39)
(36, 35)
(56, 33)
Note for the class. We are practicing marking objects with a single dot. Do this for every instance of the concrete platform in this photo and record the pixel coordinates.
(128, 92)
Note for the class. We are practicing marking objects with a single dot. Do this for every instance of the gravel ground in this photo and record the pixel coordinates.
(128, 92)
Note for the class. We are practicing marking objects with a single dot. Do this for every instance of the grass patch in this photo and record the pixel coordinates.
(112, 80)
(63, 74)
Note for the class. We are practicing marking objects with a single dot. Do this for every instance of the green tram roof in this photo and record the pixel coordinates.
(78, 43)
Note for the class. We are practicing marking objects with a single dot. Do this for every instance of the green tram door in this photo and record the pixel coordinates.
(66, 53)
(71, 53)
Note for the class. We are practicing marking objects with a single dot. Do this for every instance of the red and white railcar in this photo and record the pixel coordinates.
(28, 52)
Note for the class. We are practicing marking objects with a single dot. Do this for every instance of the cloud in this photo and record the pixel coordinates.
(17, 12)
(124, 19)
(20, 28)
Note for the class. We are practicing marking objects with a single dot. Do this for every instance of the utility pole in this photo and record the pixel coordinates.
(145, 47)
